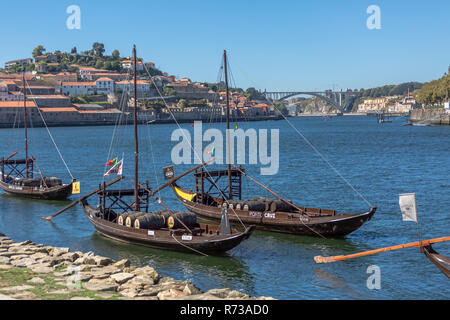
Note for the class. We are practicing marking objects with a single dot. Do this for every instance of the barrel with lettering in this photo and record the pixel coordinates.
(188, 218)
(122, 217)
(149, 221)
(129, 221)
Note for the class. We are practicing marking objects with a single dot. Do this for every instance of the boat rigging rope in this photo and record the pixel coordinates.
(190, 145)
(49, 133)
(203, 254)
(320, 154)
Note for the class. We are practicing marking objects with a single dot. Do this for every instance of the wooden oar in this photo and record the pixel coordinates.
(423, 243)
(181, 176)
(84, 197)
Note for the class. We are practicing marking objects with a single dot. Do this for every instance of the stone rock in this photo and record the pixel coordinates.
(170, 294)
(191, 289)
(89, 260)
(202, 296)
(24, 295)
(38, 255)
(18, 256)
(56, 252)
(104, 295)
(6, 266)
(60, 291)
(129, 292)
(70, 256)
(37, 280)
(148, 271)
(81, 298)
(41, 268)
(220, 293)
(4, 260)
(18, 288)
(102, 261)
(122, 277)
(83, 276)
(100, 285)
(25, 262)
(122, 263)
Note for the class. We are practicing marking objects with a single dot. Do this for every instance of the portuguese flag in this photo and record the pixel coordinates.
(112, 162)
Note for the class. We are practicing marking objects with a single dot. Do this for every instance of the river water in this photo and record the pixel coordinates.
(379, 161)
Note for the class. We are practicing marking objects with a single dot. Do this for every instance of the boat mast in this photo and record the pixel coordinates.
(25, 123)
(230, 190)
(136, 144)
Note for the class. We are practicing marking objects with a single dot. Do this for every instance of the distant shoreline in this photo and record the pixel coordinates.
(159, 121)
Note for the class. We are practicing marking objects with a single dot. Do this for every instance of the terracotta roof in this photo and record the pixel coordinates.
(104, 79)
(65, 84)
(15, 104)
(64, 109)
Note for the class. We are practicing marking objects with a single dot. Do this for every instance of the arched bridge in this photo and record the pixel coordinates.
(334, 98)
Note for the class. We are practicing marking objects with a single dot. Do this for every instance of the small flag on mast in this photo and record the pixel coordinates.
(112, 162)
(407, 202)
(116, 169)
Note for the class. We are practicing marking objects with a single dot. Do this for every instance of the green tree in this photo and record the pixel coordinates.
(99, 49)
(38, 51)
(74, 50)
(116, 54)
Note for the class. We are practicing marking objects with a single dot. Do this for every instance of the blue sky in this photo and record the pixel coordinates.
(273, 45)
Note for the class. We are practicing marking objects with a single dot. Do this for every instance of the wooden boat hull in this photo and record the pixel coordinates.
(54, 193)
(438, 260)
(209, 244)
(283, 222)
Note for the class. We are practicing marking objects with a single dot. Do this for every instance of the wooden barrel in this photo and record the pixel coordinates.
(188, 218)
(149, 221)
(129, 221)
(165, 216)
(279, 205)
(122, 217)
(256, 205)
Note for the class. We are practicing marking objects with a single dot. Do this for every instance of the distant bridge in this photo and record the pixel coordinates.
(334, 98)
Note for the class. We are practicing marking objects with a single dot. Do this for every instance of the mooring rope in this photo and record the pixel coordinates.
(190, 145)
(321, 155)
(49, 133)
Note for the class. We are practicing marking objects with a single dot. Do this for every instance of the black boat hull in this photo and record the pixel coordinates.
(338, 225)
(54, 193)
(160, 240)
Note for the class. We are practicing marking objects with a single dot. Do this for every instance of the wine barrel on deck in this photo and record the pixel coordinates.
(149, 221)
(129, 221)
(122, 217)
(279, 205)
(188, 218)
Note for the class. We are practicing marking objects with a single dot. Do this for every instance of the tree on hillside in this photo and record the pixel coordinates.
(38, 51)
(74, 50)
(99, 49)
(116, 54)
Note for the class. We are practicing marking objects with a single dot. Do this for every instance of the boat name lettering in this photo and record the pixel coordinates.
(186, 237)
(269, 215)
(151, 232)
(254, 214)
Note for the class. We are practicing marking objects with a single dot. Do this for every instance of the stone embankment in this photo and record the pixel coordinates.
(29, 271)
(430, 116)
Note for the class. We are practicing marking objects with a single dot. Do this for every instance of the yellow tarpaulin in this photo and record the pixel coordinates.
(76, 187)
(185, 195)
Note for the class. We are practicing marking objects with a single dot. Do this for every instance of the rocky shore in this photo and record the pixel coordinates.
(36, 272)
